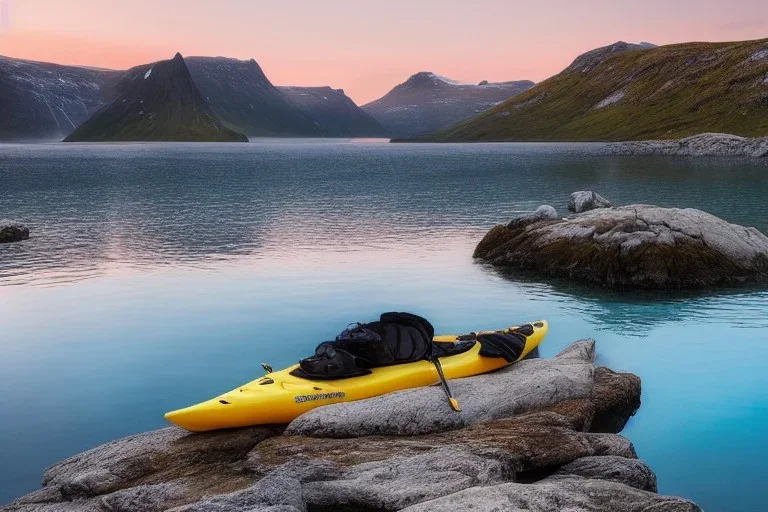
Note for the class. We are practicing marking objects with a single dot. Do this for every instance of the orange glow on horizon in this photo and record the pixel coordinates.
(365, 48)
(77, 51)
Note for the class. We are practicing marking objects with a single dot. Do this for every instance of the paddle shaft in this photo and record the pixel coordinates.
(452, 401)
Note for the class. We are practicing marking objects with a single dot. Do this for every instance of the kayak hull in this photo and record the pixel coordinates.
(280, 397)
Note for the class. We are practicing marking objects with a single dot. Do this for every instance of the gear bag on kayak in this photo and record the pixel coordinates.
(396, 338)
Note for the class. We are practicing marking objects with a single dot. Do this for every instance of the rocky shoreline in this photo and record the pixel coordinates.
(705, 144)
(540, 435)
(634, 246)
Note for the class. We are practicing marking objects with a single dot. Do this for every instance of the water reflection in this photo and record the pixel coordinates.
(637, 312)
(94, 208)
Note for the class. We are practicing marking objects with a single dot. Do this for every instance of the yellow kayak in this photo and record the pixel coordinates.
(280, 397)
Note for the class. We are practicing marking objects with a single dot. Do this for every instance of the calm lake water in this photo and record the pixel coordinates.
(159, 275)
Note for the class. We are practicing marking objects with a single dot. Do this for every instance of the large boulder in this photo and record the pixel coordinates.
(541, 435)
(11, 231)
(586, 200)
(482, 398)
(641, 246)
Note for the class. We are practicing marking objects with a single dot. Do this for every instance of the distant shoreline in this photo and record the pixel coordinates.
(701, 145)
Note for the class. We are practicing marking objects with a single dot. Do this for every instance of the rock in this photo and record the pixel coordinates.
(640, 246)
(539, 434)
(705, 144)
(573, 494)
(146, 498)
(616, 397)
(398, 482)
(543, 212)
(388, 472)
(543, 439)
(11, 231)
(482, 398)
(632, 472)
(583, 201)
(273, 493)
(155, 457)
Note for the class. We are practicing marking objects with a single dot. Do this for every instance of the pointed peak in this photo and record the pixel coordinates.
(178, 56)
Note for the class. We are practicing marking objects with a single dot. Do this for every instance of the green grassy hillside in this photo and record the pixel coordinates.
(630, 92)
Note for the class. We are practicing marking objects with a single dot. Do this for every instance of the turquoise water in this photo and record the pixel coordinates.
(158, 275)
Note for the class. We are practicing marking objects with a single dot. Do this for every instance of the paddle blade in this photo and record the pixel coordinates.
(455, 404)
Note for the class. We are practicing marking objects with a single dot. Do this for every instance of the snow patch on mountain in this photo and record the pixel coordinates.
(448, 80)
(611, 99)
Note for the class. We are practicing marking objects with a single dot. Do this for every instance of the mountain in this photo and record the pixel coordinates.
(156, 101)
(245, 100)
(39, 100)
(333, 112)
(427, 103)
(637, 92)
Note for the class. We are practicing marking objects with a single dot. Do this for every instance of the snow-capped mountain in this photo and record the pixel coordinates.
(428, 103)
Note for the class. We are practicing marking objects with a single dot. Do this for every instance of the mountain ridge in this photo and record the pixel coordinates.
(638, 93)
(333, 112)
(242, 96)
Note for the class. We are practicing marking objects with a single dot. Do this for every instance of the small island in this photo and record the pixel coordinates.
(635, 246)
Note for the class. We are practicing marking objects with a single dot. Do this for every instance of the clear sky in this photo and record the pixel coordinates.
(365, 46)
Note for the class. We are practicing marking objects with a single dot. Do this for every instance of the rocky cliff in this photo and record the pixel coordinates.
(43, 101)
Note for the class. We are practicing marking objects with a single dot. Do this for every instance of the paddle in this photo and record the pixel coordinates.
(454, 403)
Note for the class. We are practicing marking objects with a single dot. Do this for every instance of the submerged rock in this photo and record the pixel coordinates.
(641, 246)
(705, 144)
(587, 200)
(11, 231)
(539, 435)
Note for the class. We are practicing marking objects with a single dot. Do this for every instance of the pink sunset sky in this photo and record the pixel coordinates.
(364, 47)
